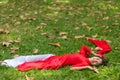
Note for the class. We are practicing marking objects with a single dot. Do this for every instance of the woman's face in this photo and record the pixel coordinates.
(96, 61)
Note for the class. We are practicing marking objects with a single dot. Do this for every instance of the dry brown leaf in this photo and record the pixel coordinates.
(115, 23)
(109, 41)
(44, 33)
(80, 36)
(6, 44)
(17, 23)
(22, 17)
(106, 18)
(6, 31)
(38, 28)
(94, 36)
(27, 78)
(89, 28)
(18, 40)
(16, 55)
(2, 31)
(55, 44)
(84, 24)
(35, 50)
(13, 49)
(1, 62)
(64, 37)
(76, 28)
(42, 25)
(10, 41)
(62, 33)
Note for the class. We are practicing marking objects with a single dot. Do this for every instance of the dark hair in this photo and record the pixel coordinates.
(104, 61)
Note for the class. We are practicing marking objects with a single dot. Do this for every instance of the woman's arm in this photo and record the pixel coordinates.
(85, 67)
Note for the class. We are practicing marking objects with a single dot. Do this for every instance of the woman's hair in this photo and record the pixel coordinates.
(104, 61)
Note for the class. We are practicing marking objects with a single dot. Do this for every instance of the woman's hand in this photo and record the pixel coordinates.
(93, 69)
(85, 67)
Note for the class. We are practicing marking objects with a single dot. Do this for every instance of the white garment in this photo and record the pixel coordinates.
(21, 59)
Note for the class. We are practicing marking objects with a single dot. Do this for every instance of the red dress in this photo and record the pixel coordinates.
(76, 59)
(55, 62)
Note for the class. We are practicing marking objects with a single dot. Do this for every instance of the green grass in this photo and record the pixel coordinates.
(21, 17)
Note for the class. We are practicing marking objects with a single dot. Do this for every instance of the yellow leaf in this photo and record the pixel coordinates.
(16, 55)
(2, 31)
(44, 33)
(35, 50)
(55, 44)
(78, 37)
(13, 49)
(76, 28)
(94, 36)
(62, 33)
(6, 31)
(106, 18)
(64, 37)
(18, 40)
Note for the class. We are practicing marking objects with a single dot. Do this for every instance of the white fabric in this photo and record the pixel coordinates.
(21, 59)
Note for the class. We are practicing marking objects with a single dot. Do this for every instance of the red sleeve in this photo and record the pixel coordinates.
(84, 50)
(80, 65)
(102, 44)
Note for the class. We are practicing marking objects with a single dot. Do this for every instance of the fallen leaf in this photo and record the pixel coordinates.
(55, 44)
(16, 55)
(10, 41)
(84, 24)
(76, 28)
(43, 24)
(115, 24)
(1, 62)
(89, 28)
(38, 28)
(94, 36)
(106, 18)
(13, 49)
(35, 50)
(22, 17)
(17, 23)
(2, 31)
(109, 41)
(80, 36)
(44, 33)
(64, 37)
(62, 33)
(6, 31)
(6, 44)
(18, 40)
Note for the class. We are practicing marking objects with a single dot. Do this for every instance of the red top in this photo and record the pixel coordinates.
(55, 62)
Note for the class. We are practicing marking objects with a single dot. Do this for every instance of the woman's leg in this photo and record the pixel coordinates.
(21, 59)
(33, 58)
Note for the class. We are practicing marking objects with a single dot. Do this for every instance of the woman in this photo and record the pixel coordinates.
(77, 60)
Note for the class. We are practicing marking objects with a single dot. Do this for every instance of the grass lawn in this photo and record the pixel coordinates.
(30, 27)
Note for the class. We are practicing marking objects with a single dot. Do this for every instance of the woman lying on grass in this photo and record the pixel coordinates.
(77, 60)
